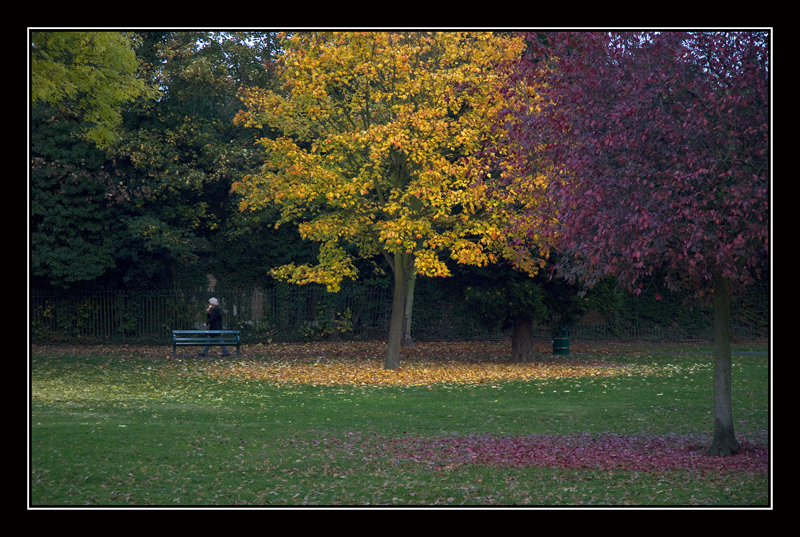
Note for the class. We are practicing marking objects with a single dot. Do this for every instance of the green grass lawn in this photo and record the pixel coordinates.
(136, 429)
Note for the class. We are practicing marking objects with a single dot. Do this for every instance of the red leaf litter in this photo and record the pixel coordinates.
(604, 452)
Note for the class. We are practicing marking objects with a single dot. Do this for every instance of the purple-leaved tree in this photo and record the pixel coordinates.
(656, 151)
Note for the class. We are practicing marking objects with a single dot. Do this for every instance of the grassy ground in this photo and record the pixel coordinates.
(323, 424)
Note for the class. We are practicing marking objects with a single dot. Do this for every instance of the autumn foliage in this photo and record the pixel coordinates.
(657, 147)
(657, 152)
(376, 153)
(378, 135)
(608, 452)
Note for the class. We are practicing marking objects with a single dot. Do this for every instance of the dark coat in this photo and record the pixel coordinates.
(214, 319)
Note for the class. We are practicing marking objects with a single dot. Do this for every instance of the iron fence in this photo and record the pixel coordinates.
(280, 314)
(292, 313)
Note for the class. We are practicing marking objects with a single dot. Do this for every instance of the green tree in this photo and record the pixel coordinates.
(149, 209)
(185, 148)
(73, 231)
(82, 210)
(500, 296)
(88, 74)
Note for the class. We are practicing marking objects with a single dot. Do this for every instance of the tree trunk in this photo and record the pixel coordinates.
(407, 341)
(522, 340)
(724, 443)
(398, 312)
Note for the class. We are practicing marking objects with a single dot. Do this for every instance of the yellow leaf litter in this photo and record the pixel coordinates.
(416, 368)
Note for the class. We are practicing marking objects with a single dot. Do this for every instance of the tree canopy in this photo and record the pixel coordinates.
(659, 145)
(88, 74)
(147, 208)
(378, 133)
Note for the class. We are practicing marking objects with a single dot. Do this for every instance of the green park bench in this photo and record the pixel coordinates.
(182, 338)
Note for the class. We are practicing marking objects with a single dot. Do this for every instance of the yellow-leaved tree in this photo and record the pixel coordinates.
(379, 133)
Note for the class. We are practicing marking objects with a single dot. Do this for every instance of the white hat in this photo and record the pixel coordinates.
(214, 301)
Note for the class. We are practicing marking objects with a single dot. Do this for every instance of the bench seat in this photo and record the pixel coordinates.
(181, 338)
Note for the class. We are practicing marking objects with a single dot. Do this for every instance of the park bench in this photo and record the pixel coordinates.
(202, 338)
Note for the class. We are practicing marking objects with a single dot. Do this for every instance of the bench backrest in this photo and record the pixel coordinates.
(205, 332)
(227, 336)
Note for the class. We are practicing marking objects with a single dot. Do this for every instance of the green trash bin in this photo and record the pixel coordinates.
(561, 344)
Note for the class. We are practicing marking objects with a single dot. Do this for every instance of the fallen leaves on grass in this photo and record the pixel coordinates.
(370, 372)
(498, 350)
(603, 452)
(361, 363)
